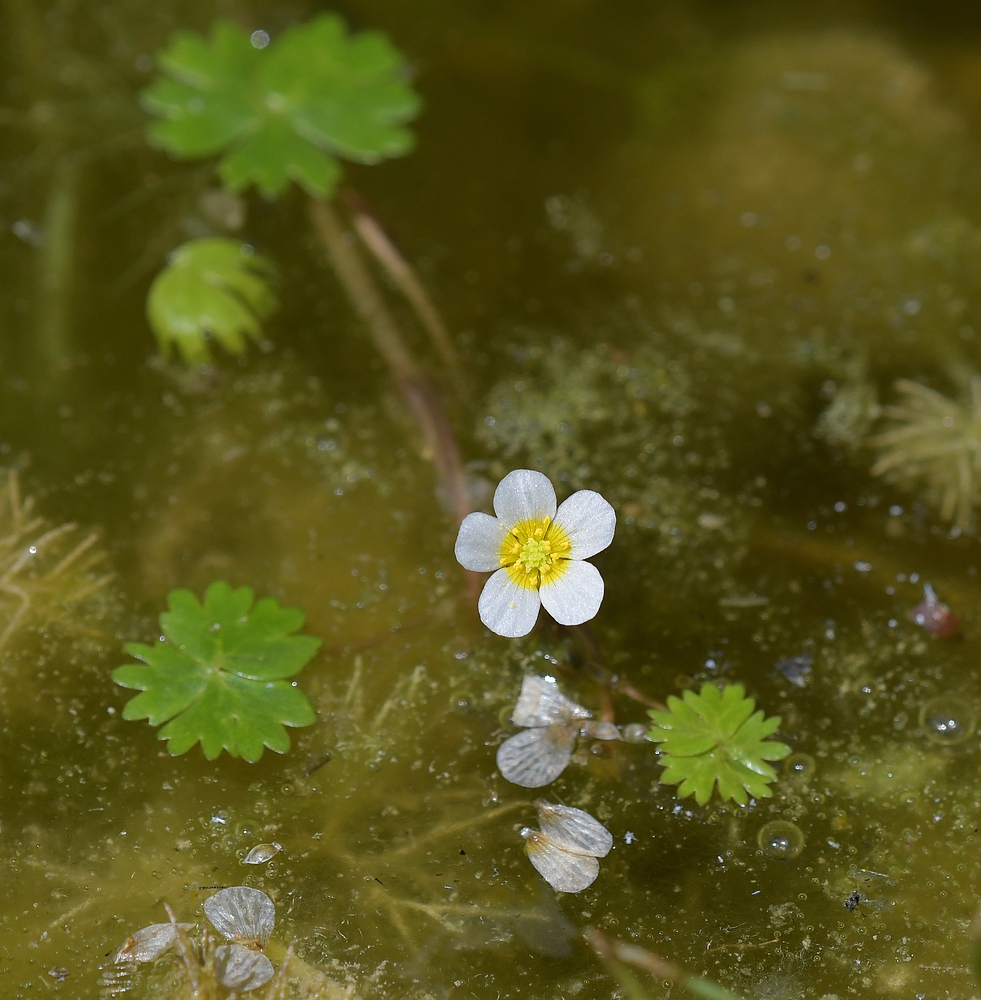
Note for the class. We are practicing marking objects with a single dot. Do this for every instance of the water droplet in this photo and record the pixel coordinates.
(780, 839)
(799, 765)
(947, 720)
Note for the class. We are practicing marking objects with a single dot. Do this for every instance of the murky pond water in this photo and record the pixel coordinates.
(686, 251)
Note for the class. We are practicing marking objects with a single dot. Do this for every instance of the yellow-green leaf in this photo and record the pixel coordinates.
(714, 738)
(210, 289)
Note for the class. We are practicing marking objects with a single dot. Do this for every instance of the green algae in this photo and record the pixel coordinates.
(629, 425)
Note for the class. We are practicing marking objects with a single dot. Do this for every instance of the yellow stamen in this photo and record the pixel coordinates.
(535, 552)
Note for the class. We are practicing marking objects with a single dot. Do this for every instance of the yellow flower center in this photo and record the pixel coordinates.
(535, 552)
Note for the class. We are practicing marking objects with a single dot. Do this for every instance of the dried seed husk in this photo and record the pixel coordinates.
(262, 853)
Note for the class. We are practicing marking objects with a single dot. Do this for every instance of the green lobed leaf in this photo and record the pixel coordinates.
(286, 112)
(714, 738)
(210, 288)
(220, 676)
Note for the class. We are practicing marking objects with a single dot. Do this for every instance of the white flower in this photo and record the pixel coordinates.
(537, 553)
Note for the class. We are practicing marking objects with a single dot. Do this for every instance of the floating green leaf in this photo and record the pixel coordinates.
(210, 288)
(714, 736)
(286, 111)
(219, 676)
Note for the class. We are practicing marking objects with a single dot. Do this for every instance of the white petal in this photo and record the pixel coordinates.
(478, 543)
(589, 521)
(573, 830)
(541, 703)
(536, 757)
(239, 968)
(577, 594)
(506, 608)
(563, 871)
(241, 914)
(523, 494)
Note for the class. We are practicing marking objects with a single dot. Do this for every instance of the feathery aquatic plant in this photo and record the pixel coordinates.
(43, 577)
(849, 417)
(935, 442)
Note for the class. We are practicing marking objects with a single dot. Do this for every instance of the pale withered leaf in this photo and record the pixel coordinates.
(148, 943)
(541, 703)
(240, 968)
(564, 871)
(536, 757)
(242, 914)
(573, 830)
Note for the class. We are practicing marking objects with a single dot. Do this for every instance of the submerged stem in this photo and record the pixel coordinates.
(58, 263)
(416, 390)
(617, 956)
(362, 291)
(374, 237)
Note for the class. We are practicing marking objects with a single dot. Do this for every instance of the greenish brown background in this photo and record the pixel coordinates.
(618, 208)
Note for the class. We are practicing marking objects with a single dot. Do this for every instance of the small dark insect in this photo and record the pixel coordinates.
(856, 899)
(934, 616)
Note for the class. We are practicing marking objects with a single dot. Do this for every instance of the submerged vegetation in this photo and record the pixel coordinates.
(210, 289)
(935, 442)
(723, 398)
(47, 574)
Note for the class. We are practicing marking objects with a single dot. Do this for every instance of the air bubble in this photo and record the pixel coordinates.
(799, 765)
(780, 839)
(947, 720)
(635, 732)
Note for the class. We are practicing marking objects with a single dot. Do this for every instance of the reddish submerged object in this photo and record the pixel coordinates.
(934, 615)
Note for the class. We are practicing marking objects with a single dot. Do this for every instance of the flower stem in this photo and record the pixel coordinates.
(417, 391)
(617, 956)
(385, 252)
(589, 656)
